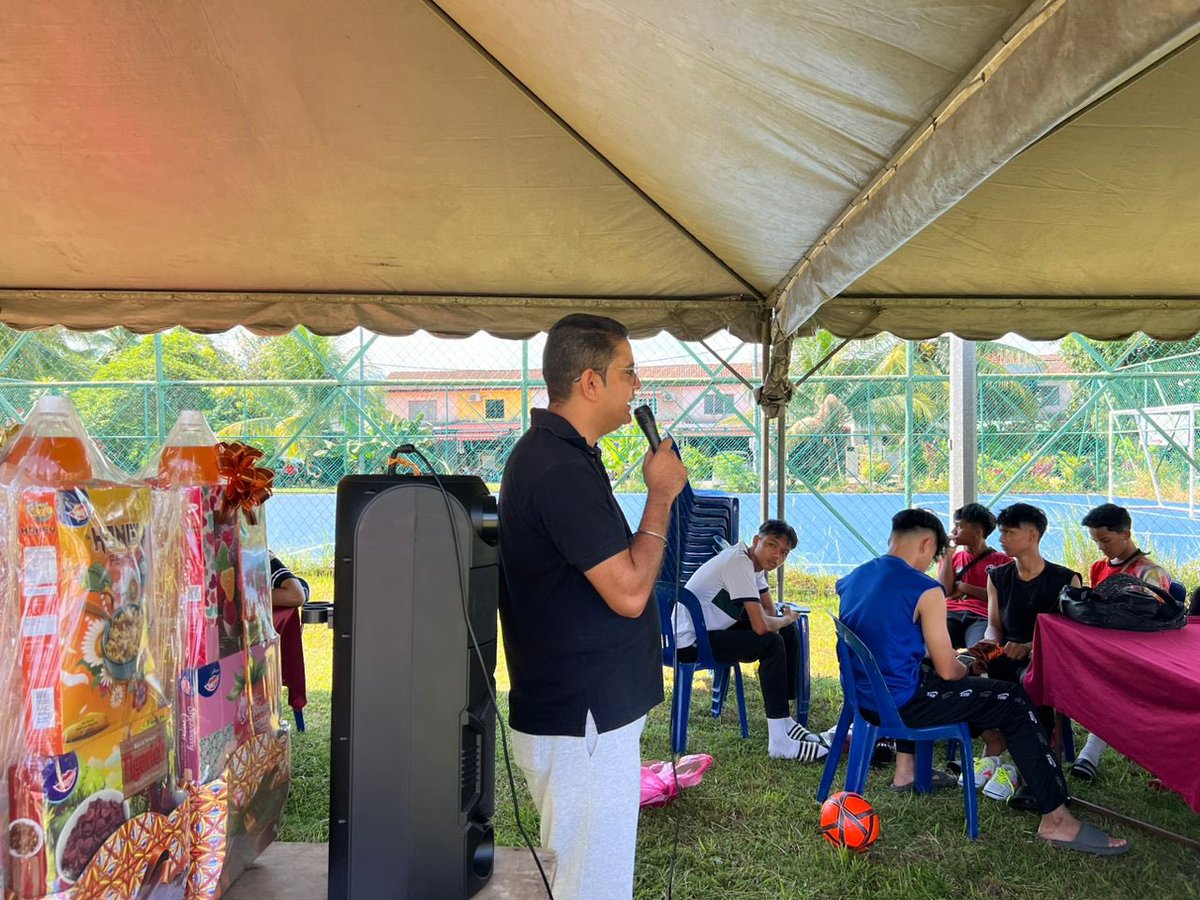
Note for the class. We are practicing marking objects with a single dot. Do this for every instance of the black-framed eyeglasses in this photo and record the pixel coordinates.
(631, 371)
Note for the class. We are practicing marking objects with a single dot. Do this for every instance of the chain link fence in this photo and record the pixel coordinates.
(1066, 425)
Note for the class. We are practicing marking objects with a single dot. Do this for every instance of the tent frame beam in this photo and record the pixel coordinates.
(942, 160)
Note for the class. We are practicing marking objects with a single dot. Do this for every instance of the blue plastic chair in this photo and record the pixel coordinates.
(803, 671)
(681, 696)
(1179, 592)
(890, 725)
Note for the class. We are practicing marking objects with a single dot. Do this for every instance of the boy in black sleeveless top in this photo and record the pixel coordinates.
(1018, 593)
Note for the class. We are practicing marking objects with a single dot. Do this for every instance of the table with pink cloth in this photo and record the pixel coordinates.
(1138, 691)
(291, 654)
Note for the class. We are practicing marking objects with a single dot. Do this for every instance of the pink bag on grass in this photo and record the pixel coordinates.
(660, 786)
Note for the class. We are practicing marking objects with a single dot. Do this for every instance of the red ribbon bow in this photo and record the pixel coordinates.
(247, 485)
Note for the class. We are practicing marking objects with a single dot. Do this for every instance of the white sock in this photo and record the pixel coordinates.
(781, 744)
(777, 733)
(1091, 750)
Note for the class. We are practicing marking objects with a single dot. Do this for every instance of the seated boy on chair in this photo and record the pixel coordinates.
(964, 574)
(744, 625)
(899, 612)
(1111, 528)
(1018, 592)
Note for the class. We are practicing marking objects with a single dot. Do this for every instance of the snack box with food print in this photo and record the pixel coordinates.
(222, 705)
(63, 808)
(82, 578)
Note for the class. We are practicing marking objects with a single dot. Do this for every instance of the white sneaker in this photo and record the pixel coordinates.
(1002, 784)
(827, 738)
(985, 767)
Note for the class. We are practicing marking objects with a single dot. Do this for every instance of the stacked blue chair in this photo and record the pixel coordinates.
(681, 696)
(698, 520)
(851, 649)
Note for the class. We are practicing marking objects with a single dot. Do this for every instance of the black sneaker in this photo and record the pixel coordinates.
(884, 753)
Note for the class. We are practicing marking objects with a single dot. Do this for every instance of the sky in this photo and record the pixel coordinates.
(482, 352)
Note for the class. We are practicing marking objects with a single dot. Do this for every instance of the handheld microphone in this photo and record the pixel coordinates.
(645, 420)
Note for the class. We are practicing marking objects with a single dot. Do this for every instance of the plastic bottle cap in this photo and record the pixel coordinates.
(56, 404)
(190, 418)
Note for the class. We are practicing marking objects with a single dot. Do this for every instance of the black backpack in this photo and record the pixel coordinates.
(1124, 602)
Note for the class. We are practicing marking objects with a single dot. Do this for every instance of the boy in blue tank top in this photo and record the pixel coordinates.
(899, 612)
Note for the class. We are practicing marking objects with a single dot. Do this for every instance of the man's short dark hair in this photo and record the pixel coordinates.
(1110, 516)
(909, 520)
(1022, 514)
(576, 343)
(977, 514)
(780, 529)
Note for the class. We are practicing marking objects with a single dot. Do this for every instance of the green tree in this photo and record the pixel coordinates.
(830, 413)
(50, 355)
(314, 433)
(122, 418)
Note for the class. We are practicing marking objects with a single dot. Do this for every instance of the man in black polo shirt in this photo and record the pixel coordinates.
(580, 628)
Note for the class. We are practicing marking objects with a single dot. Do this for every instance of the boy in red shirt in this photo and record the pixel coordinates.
(1111, 528)
(964, 574)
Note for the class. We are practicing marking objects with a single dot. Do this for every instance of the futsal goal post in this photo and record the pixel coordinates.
(1149, 443)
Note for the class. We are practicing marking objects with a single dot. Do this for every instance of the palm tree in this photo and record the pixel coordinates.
(313, 433)
(902, 390)
(47, 356)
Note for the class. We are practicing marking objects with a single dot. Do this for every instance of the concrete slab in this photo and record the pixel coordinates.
(300, 872)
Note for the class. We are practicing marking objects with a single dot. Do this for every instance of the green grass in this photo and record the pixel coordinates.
(749, 830)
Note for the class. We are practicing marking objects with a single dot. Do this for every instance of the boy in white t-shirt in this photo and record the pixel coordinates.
(745, 626)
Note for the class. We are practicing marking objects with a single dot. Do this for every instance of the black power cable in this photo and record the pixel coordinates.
(411, 450)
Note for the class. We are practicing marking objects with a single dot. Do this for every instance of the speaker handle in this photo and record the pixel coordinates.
(473, 727)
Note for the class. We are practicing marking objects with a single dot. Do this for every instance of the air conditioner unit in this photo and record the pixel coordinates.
(474, 398)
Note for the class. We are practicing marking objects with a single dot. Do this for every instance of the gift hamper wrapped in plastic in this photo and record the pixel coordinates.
(93, 808)
(232, 749)
(143, 753)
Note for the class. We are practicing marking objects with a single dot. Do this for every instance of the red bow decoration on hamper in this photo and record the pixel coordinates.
(247, 485)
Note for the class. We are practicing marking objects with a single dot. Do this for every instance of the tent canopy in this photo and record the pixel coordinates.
(400, 164)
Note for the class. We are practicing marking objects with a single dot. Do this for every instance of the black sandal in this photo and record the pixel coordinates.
(1084, 770)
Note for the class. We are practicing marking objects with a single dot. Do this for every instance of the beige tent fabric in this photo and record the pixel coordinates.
(1065, 55)
(987, 318)
(210, 162)
(1107, 206)
(276, 313)
(753, 122)
(357, 146)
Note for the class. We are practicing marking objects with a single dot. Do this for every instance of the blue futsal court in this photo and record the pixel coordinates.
(301, 525)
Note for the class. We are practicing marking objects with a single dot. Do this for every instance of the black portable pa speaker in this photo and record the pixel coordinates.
(412, 785)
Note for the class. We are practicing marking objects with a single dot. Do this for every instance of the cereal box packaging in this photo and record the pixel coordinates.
(84, 570)
(63, 808)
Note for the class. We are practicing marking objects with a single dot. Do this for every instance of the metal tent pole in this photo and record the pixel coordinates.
(780, 485)
(764, 434)
(908, 423)
(964, 439)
